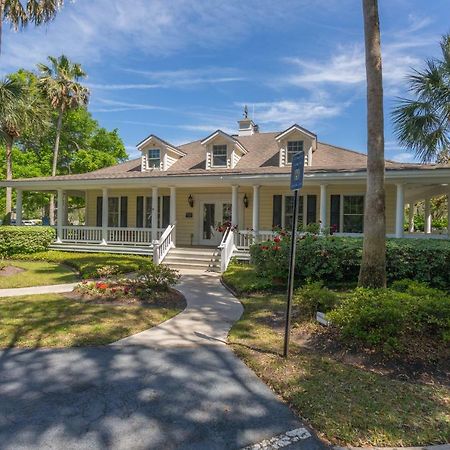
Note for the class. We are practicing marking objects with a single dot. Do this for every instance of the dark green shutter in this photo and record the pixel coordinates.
(139, 211)
(335, 212)
(277, 211)
(99, 211)
(166, 211)
(124, 211)
(311, 210)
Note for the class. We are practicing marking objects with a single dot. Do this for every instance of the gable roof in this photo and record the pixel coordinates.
(227, 136)
(167, 144)
(293, 128)
(261, 157)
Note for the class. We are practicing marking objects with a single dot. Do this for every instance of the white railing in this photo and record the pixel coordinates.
(115, 235)
(81, 234)
(164, 244)
(226, 249)
(243, 239)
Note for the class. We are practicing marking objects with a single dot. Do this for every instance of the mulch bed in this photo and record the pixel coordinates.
(170, 299)
(419, 362)
(8, 271)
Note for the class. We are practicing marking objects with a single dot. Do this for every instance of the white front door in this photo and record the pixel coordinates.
(215, 217)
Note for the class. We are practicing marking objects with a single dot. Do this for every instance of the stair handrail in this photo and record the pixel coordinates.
(163, 245)
(226, 248)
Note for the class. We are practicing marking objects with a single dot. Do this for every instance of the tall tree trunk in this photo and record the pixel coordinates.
(55, 163)
(2, 8)
(373, 265)
(9, 173)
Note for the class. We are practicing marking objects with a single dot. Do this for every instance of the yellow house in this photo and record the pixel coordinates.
(201, 202)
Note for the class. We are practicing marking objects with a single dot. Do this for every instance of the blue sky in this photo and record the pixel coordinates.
(183, 68)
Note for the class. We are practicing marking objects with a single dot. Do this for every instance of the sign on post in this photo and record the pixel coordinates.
(297, 171)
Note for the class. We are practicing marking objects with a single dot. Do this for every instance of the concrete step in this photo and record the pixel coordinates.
(193, 251)
(193, 259)
(189, 265)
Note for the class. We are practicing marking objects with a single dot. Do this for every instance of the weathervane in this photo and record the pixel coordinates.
(245, 112)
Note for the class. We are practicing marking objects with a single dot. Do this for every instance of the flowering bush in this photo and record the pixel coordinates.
(107, 271)
(332, 259)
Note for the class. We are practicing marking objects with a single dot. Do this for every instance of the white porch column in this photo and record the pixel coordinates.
(105, 216)
(173, 210)
(66, 209)
(411, 217)
(399, 211)
(18, 207)
(323, 207)
(234, 205)
(255, 216)
(154, 214)
(427, 221)
(59, 215)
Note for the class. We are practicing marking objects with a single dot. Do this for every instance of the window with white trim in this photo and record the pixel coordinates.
(219, 156)
(293, 147)
(154, 158)
(353, 213)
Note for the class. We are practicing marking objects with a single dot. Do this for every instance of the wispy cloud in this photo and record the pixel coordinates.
(117, 106)
(403, 157)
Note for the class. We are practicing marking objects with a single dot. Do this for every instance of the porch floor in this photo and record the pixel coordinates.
(98, 248)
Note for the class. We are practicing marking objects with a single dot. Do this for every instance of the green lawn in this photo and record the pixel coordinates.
(52, 320)
(345, 404)
(37, 274)
(88, 263)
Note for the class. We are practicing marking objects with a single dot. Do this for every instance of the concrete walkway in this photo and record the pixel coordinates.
(36, 290)
(176, 386)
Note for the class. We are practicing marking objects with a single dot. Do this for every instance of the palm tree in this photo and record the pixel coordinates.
(19, 15)
(423, 124)
(20, 110)
(60, 83)
(373, 265)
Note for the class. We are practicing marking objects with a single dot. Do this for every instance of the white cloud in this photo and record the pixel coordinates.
(286, 112)
(118, 106)
(403, 157)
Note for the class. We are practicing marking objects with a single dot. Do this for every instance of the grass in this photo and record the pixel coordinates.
(88, 263)
(345, 404)
(243, 279)
(52, 320)
(37, 273)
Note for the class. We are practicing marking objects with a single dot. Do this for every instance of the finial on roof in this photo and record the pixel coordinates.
(245, 112)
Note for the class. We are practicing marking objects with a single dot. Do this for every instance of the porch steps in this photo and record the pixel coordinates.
(97, 248)
(241, 255)
(193, 258)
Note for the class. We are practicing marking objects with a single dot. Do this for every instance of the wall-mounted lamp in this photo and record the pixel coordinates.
(245, 200)
(191, 201)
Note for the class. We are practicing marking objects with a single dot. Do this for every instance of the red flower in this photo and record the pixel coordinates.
(276, 239)
(276, 248)
(264, 247)
(101, 285)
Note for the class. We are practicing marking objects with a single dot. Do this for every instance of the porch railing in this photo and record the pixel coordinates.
(164, 244)
(226, 249)
(243, 239)
(115, 235)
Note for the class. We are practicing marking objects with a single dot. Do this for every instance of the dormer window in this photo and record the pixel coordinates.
(154, 158)
(293, 147)
(219, 156)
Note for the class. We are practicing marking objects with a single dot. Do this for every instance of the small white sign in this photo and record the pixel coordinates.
(320, 317)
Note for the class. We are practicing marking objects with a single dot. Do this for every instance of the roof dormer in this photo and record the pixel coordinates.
(222, 150)
(158, 154)
(293, 140)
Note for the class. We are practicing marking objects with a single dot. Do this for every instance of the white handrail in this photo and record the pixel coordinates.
(163, 245)
(226, 248)
(243, 239)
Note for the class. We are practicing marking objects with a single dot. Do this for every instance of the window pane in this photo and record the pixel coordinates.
(154, 158)
(289, 211)
(113, 212)
(220, 155)
(353, 213)
(293, 147)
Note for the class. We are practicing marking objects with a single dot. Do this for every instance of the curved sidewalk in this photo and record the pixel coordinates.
(36, 290)
(210, 312)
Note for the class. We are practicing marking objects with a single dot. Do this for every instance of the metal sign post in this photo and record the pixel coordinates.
(297, 171)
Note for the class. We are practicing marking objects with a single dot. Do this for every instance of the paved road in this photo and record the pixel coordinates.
(136, 395)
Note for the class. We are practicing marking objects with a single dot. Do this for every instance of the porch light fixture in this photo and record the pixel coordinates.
(191, 201)
(245, 200)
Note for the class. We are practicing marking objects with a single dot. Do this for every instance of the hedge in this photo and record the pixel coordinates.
(337, 259)
(18, 240)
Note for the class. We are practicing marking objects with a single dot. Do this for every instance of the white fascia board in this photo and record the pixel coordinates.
(295, 128)
(170, 147)
(226, 136)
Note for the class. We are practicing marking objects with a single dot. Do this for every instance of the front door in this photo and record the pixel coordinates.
(215, 218)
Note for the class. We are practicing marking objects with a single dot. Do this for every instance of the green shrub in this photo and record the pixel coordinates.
(337, 259)
(313, 297)
(22, 240)
(243, 278)
(156, 279)
(389, 318)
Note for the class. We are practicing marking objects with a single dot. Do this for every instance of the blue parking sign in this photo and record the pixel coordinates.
(297, 170)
